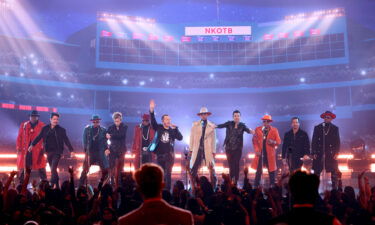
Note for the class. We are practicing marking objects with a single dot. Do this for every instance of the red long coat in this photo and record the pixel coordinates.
(270, 149)
(25, 135)
(137, 144)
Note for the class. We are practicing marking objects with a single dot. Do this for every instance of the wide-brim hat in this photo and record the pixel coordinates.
(267, 117)
(328, 113)
(146, 117)
(204, 110)
(95, 117)
(34, 113)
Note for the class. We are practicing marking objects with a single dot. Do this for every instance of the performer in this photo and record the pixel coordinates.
(234, 143)
(202, 143)
(163, 143)
(96, 149)
(35, 159)
(143, 135)
(326, 144)
(265, 141)
(116, 133)
(54, 137)
(296, 145)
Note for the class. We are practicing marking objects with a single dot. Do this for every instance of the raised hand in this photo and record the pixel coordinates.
(70, 170)
(152, 105)
(246, 171)
(13, 173)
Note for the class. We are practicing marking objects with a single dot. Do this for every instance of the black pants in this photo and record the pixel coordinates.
(263, 161)
(86, 168)
(116, 165)
(166, 162)
(234, 157)
(333, 168)
(198, 162)
(146, 157)
(53, 161)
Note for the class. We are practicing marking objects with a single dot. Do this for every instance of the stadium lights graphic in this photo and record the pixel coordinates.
(337, 12)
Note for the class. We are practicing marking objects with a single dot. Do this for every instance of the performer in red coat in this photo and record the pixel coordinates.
(143, 135)
(265, 141)
(35, 159)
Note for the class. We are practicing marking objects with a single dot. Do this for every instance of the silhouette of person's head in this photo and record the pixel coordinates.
(149, 180)
(304, 187)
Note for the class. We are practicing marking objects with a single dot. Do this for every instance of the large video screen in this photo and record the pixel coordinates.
(231, 47)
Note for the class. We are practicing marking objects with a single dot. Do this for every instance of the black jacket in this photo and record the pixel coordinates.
(332, 146)
(230, 126)
(159, 129)
(118, 137)
(298, 145)
(61, 138)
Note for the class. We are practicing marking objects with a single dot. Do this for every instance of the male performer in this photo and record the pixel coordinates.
(234, 143)
(96, 149)
(143, 135)
(163, 143)
(326, 144)
(116, 133)
(265, 142)
(296, 145)
(54, 137)
(202, 143)
(35, 159)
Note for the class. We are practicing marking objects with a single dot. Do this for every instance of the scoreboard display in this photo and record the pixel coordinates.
(143, 44)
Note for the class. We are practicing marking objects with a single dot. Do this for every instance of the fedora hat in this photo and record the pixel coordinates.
(95, 117)
(204, 110)
(34, 113)
(267, 117)
(328, 113)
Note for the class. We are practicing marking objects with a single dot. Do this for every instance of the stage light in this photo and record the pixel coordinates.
(302, 80)
(363, 72)
(22, 74)
(142, 83)
(35, 62)
(58, 94)
(345, 156)
(251, 156)
(151, 79)
(167, 83)
(39, 71)
(212, 76)
(72, 96)
(125, 81)
(31, 55)
(332, 106)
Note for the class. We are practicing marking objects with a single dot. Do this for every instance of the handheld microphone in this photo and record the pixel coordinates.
(324, 124)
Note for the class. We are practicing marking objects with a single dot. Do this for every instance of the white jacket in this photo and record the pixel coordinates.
(209, 143)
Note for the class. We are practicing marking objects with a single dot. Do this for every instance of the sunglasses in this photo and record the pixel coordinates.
(327, 117)
(95, 121)
(266, 121)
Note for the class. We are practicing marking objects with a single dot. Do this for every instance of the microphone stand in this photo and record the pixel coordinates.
(324, 161)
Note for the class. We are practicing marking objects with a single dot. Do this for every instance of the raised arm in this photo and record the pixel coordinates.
(154, 124)
(178, 134)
